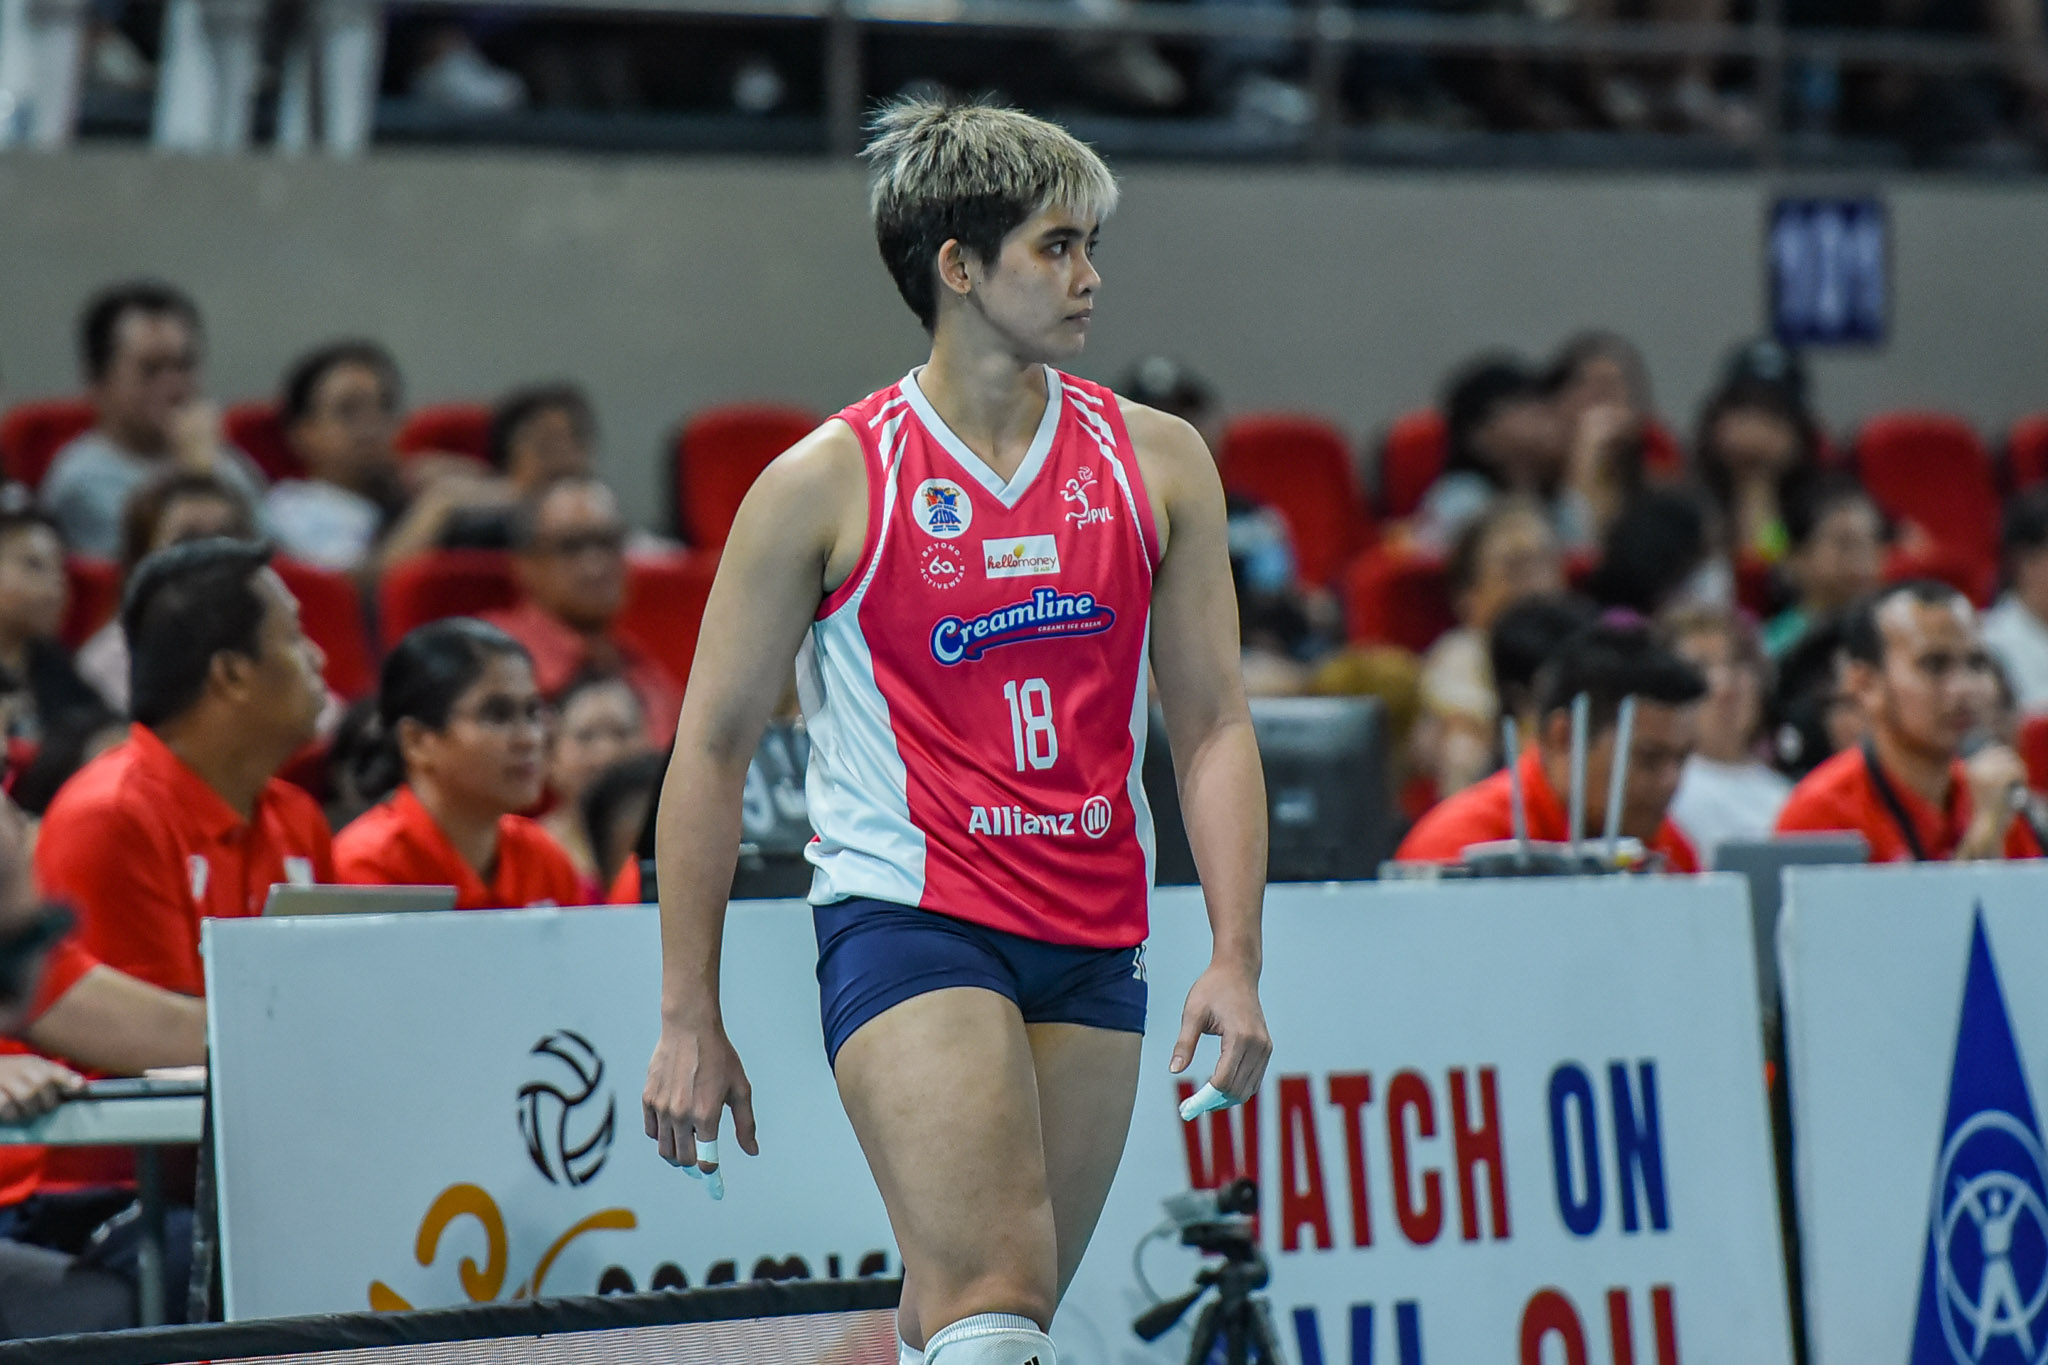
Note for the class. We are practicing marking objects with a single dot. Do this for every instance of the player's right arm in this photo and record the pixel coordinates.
(798, 535)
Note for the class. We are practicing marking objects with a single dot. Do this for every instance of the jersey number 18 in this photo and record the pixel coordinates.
(1031, 730)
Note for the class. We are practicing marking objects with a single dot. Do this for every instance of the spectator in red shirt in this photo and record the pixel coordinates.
(64, 1001)
(1608, 661)
(1916, 664)
(185, 820)
(463, 734)
(570, 547)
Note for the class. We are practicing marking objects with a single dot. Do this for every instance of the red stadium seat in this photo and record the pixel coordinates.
(2026, 452)
(719, 452)
(1933, 470)
(256, 429)
(665, 596)
(332, 611)
(1753, 584)
(1397, 597)
(2034, 751)
(32, 433)
(94, 588)
(1662, 454)
(1301, 467)
(443, 583)
(1411, 458)
(447, 428)
(1966, 570)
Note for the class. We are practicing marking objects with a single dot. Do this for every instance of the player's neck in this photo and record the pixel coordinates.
(472, 833)
(1921, 772)
(992, 401)
(224, 759)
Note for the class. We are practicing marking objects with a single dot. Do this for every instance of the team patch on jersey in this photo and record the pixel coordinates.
(1047, 615)
(1023, 557)
(942, 508)
(1080, 490)
(943, 565)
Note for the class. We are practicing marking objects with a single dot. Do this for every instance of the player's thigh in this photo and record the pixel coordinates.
(943, 1097)
(1087, 1083)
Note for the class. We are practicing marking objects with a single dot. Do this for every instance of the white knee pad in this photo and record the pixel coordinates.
(906, 1354)
(990, 1339)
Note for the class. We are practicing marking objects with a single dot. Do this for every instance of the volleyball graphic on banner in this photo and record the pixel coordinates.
(568, 1132)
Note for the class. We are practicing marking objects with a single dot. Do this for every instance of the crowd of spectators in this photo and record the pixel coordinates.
(1782, 635)
(1791, 665)
(482, 63)
(192, 753)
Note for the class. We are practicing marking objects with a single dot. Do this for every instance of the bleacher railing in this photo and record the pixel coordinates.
(334, 108)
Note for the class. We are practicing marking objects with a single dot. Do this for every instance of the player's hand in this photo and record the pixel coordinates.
(1600, 429)
(1225, 1001)
(1996, 776)
(693, 1077)
(31, 1086)
(195, 436)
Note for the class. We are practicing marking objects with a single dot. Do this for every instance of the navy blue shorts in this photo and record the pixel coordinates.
(874, 954)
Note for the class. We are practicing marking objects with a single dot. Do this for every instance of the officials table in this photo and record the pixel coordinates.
(168, 1114)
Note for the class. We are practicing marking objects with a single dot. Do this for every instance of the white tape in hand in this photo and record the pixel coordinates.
(705, 1168)
(1204, 1101)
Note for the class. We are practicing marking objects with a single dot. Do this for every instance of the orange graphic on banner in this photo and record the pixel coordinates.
(482, 1283)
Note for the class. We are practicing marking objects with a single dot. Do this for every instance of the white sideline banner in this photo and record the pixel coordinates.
(431, 1109)
(1505, 1122)
(1916, 1039)
(1509, 1121)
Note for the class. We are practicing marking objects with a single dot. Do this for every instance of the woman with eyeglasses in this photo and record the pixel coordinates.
(461, 751)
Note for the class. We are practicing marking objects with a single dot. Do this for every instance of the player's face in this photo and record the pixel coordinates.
(576, 567)
(1928, 693)
(489, 753)
(1663, 738)
(1040, 291)
(287, 687)
(153, 372)
(346, 435)
(595, 728)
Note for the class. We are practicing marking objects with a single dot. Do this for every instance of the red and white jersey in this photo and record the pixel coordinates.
(975, 691)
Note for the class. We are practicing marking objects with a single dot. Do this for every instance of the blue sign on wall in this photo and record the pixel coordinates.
(1830, 264)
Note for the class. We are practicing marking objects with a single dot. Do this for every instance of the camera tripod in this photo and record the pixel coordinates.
(1238, 1317)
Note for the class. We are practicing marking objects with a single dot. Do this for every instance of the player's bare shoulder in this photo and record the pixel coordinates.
(815, 494)
(1174, 461)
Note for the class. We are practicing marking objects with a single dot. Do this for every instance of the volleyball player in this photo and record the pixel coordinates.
(969, 569)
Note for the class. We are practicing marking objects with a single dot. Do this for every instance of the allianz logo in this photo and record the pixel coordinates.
(1093, 820)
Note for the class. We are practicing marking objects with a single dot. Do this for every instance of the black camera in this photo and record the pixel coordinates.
(1219, 1223)
(1225, 1229)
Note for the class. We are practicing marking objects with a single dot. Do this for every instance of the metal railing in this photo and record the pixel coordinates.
(1328, 32)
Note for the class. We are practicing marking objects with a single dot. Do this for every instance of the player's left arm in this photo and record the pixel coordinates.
(1216, 758)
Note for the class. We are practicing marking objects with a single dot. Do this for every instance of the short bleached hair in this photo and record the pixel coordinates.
(974, 172)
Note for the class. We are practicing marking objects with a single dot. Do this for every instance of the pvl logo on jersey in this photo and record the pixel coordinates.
(942, 508)
(1984, 1280)
(1077, 491)
(1023, 557)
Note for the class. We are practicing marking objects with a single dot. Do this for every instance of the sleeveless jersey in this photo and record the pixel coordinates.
(975, 691)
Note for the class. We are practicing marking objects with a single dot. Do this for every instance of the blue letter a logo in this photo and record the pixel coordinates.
(1984, 1283)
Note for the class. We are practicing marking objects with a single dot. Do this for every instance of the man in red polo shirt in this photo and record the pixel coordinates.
(186, 820)
(569, 546)
(1917, 667)
(1608, 662)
